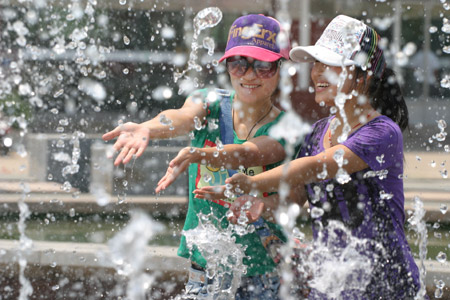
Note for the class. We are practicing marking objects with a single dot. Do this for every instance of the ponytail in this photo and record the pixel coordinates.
(386, 97)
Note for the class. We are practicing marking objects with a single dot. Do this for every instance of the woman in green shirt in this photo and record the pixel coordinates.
(253, 59)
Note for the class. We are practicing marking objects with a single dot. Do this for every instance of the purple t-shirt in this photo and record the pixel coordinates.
(371, 204)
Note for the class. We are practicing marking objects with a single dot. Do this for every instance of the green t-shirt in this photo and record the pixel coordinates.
(257, 259)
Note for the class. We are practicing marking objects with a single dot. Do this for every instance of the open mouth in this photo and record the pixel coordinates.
(323, 85)
(249, 86)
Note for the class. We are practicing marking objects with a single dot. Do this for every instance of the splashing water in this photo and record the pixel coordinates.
(341, 176)
(419, 226)
(339, 262)
(224, 257)
(208, 43)
(25, 245)
(127, 248)
(206, 18)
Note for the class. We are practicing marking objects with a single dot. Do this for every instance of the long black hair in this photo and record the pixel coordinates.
(386, 96)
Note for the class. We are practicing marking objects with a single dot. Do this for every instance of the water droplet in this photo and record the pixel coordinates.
(380, 159)
(316, 212)
(443, 208)
(342, 176)
(66, 186)
(386, 196)
(208, 43)
(168, 32)
(438, 293)
(442, 124)
(72, 212)
(228, 194)
(440, 284)
(433, 29)
(126, 40)
(125, 183)
(122, 2)
(338, 156)
(207, 177)
(441, 257)
(445, 82)
(409, 49)
(58, 93)
(92, 88)
(125, 71)
(164, 120)
(324, 173)
(197, 123)
(444, 173)
(401, 59)
(418, 158)
(208, 17)
(212, 125)
(219, 145)
(433, 164)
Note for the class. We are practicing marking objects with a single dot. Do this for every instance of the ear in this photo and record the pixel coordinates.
(362, 83)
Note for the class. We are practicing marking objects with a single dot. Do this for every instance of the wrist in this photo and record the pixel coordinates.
(145, 130)
(196, 156)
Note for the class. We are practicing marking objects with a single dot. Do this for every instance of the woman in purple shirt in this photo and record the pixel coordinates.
(352, 161)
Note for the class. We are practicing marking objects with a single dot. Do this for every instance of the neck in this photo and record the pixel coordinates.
(354, 112)
(248, 118)
(250, 112)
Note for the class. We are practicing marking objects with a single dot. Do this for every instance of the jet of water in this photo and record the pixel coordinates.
(127, 249)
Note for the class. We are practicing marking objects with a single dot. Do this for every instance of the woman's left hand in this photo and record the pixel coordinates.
(253, 213)
(210, 192)
(177, 166)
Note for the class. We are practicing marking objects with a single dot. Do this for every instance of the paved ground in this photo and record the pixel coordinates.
(157, 258)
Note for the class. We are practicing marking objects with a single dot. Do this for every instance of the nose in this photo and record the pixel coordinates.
(249, 74)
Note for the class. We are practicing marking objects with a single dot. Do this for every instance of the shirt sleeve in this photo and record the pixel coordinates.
(378, 143)
(264, 130)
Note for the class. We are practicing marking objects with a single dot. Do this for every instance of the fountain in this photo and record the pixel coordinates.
(66, 72)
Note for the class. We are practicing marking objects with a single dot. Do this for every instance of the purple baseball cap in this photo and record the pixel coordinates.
(257, 36)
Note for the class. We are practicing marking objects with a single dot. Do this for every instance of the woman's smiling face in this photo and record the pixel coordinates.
(325, 79)
(250, 88)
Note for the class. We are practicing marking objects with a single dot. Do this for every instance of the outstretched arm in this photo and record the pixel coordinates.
(132, 138)
(300, 171)
(262, 150)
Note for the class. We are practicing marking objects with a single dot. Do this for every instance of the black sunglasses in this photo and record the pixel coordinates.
(239, 65)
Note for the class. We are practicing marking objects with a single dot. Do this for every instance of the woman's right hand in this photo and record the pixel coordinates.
(132, 139)
(241, 181)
